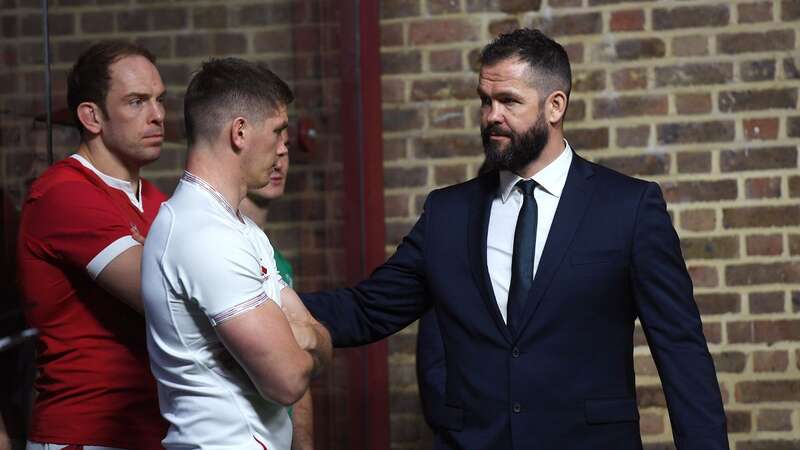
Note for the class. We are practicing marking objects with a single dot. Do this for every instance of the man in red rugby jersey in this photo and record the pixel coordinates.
(79, 260)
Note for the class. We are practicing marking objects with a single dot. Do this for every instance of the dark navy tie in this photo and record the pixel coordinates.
(522, 259)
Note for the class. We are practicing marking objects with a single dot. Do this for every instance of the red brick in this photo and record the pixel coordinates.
(778, 330)
(498, 27)
(169, 18)
(630, 78)
(588, 80)
(756, 100)
(448, 146)
(740, 332)
(506, 6)
(758, 159)
(694, 162)
(649, 164)
(754, 12)
(450, 174)
(576, 111)
(443, 6)
(588, 138)
(648, 396)
(570, 24)
(690, 17)
(575, 52)
(217, 17)
(791, 70)
(694, 74)
(97, 22)
(393, 63)
(768, 444)
(393, 149)
(703, 276)
(564, 3)
(794, 244)
(790, 10)
(694, 103)
(193, 45)
(765, 244)
(761, 216)
(775, 40)
(158, 45)
(445, 61)
(699, 191)
(760, 129)
(758, 70)
(229, 43)
(402, 119)
(645, 48)
(738, 421)
(452, 117)
(698, 219)
(763, 187)
(637, 136)
(399, 8)
(627, 20)
(643, 365)
(793, 126)
(770, 361)
(695, 132)
(391, 34)
(774, 420)
(725, 247)
(713, 334)
(443, 31)
(693, 45)
(627, 106)
(718, 303)
(393, 91)
(651, 423)
(767, 273)
(443, 89)
(396, 205)
(270, 41)
(405, 177)
(768, 391)
(766, 302)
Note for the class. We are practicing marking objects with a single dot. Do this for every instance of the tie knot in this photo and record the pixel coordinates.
(527, 186)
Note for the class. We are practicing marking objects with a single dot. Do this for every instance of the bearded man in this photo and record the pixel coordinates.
(537, 271)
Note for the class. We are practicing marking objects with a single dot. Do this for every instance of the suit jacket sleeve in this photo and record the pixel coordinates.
(671, 322)
(386, 302)
(431, 369)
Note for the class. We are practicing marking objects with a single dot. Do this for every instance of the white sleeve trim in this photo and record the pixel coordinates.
(114, 249)
(243, 307)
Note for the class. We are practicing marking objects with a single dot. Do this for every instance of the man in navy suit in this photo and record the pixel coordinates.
(536, 272)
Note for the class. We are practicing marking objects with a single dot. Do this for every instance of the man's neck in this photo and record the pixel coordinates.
(221, 173)
(551, 151)
(106, 162)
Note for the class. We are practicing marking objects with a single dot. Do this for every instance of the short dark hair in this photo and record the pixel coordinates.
(544, 56)
(89, 78)
(229, 87)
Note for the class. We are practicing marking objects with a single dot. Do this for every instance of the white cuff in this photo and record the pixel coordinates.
(101, 260)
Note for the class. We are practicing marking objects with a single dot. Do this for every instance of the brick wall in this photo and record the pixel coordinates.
(700, 96)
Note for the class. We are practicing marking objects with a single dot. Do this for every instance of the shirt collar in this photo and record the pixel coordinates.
(551, 179)
(206, 186)
(116, 183)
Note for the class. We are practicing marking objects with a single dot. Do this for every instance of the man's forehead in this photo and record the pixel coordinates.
(134, 72)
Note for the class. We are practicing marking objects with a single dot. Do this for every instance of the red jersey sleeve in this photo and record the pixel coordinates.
(77, 223)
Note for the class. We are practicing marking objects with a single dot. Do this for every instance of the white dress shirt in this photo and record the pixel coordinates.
(503, 221)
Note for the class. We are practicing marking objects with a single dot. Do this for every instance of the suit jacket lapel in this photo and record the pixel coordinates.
(571, 207)
(477, 233)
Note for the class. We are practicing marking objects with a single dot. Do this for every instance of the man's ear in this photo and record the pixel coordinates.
(240, 130)
(556, 107)
(91, 117)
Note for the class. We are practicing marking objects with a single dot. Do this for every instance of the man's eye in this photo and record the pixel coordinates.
(137, 101)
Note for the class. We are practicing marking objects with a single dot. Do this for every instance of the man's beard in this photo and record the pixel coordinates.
(521, 150)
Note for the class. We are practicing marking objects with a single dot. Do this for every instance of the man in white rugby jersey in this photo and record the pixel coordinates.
(231, 345)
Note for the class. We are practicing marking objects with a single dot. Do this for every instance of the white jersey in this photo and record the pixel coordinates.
(203, 264)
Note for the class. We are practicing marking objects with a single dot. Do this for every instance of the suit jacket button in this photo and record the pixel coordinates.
(515, 352)
(516, 408)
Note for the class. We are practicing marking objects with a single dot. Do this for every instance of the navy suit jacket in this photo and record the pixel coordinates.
(566, 381)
